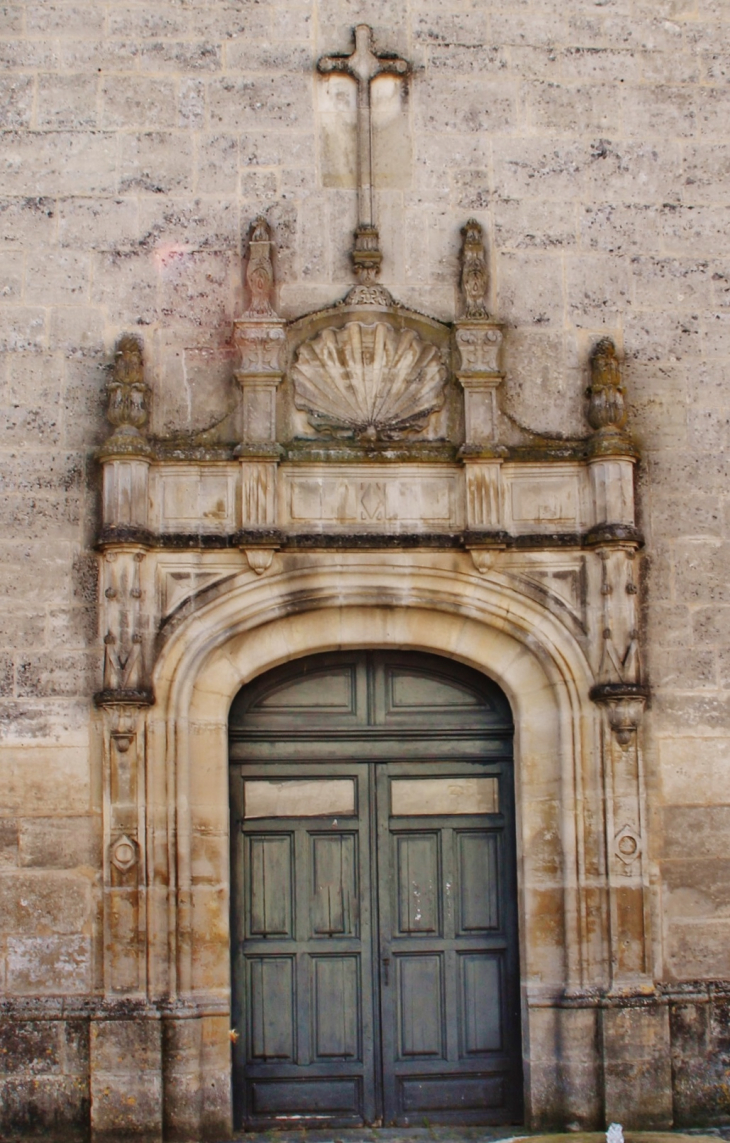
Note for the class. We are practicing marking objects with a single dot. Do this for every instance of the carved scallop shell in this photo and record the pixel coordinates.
(368, 381)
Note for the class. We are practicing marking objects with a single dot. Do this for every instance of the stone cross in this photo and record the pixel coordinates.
(364, 65)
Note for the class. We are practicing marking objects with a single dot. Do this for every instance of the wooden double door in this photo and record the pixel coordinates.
(374, 949)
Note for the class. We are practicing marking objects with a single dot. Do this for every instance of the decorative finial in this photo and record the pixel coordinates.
(260, 271)
(474, 275)
(127, 396)
(607, 408)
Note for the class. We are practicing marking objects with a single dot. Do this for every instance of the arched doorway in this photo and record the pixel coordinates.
(375, 970)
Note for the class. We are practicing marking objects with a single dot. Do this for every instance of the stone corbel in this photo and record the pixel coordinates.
(484, 555)
(624, 705)
(259, 559)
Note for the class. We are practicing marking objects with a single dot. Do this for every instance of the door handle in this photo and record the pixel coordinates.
(386, 970)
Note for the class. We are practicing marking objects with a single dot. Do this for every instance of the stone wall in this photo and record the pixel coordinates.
(592, 141)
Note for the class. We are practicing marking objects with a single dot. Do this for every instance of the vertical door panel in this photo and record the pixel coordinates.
(481, 1003)
(478, 881)
(419, 883)
(270, 886)
(272, 1003)
(420, 1006)
(336, 1008)
(334, 886)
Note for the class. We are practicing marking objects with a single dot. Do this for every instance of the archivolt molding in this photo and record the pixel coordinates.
(253, 625)
(407, 581)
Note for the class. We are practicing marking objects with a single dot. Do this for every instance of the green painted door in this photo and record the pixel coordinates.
(374, 943)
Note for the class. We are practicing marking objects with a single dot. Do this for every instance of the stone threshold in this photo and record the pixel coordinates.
(471, 1135)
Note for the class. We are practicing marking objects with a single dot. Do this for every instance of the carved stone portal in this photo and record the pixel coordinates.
(376, 493)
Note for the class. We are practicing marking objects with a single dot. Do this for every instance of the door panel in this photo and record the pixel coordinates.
(446, 1007)
(270, 888)
(305, 1011)
(419, 1002)
(478, 881)
(374, 939)
(334, 900)
(336, 1008)
(272, 1003)
(419, 878)
(480, 997)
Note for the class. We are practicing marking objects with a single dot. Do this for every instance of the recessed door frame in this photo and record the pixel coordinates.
(463, 742)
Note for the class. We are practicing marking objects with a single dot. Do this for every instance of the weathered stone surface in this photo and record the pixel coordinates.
(137, 142)
(49, 965)
(57, 902)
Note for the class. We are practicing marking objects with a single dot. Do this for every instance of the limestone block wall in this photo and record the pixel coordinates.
(138, 140)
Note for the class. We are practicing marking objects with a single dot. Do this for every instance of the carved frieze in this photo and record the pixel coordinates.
(194, 498)
(407, 498)
(368, 381)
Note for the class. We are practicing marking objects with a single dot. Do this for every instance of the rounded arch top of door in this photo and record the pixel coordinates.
(382, 691)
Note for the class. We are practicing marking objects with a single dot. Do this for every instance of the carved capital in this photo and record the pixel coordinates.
(479, 344)
(260, 344)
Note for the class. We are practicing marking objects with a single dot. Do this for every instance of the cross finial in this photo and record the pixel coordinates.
(363, 65)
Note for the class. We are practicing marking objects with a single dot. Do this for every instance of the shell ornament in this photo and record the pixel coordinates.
(368, 382)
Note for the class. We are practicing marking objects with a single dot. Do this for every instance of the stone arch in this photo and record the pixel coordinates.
(250, 624)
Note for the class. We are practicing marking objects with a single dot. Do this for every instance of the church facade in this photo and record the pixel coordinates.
(365, 735)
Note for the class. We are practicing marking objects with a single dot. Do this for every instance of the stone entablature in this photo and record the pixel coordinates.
(513, 497)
